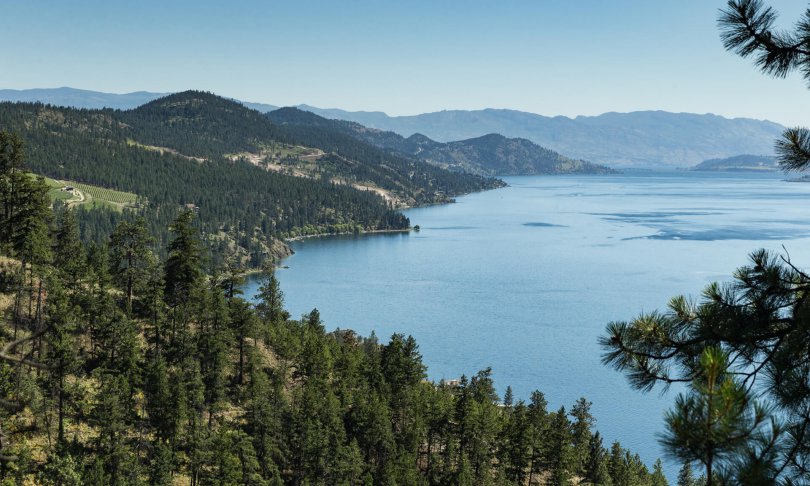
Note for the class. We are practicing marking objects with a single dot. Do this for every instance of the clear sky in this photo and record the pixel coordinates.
(553, 57)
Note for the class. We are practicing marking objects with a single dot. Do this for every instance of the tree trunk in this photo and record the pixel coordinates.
(61, 438)
(241, 359)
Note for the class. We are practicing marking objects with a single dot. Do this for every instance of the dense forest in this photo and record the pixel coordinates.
(118, 367)
(252, 182)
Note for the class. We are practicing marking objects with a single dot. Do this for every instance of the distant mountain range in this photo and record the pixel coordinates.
(740, 163)
(638, 139)
(488, 155)
(96, 100)
(651, 139)
(80, 98)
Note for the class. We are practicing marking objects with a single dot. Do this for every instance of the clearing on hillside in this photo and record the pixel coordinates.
(75, 193)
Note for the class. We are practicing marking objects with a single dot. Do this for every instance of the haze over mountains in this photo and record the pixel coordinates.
(740, 163)
(489, 155)
(648, 139)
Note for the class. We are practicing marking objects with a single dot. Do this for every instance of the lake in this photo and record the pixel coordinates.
(524, 279)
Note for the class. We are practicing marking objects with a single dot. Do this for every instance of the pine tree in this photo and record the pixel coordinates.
(131, 257)
(183, 268)
(539, 431)
(263, 414)
(270, 306)
(685, 475)
(618, 467)
(748, 29)
(561, 454)
(758, 320)
(658, 478)
(581, 434)
(62, 358)
(597, 471)
(714, 420)
(69, 255)
(213, 340)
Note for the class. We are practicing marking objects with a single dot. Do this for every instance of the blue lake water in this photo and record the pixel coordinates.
(524, 279)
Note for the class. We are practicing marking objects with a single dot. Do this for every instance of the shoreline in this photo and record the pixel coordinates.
(344, 233)
(287, 241)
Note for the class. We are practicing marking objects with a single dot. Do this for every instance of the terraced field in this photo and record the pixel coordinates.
(107, 196)
(91, 195)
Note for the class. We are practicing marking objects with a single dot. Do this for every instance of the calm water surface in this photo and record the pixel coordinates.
(524, 279)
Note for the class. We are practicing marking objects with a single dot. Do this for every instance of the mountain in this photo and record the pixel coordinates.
(495, 154)
(740, 163)
(488, 155)
(637, 139)
(649, 139)
(80, 98)
(251, 181)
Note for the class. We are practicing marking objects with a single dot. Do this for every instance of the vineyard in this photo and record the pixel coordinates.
(109, 195)
(95, 195)
(90, 195)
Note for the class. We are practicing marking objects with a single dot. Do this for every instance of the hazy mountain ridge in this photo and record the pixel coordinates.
(638, 139)
(80, 98)
(489, 155)
(745, 162)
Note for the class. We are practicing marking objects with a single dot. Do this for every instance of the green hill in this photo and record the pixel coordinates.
(251, 180)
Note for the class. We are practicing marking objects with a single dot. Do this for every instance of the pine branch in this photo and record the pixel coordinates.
(793, 149)
(747, 29)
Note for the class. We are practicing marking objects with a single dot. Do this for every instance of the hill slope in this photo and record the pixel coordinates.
(738, 163)
(249, 178)
(641, 139)
(489, 155)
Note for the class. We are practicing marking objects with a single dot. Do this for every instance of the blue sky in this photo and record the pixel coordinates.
(553, 57)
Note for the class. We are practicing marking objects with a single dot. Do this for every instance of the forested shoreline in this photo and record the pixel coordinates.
(252, 183)
(119, 367)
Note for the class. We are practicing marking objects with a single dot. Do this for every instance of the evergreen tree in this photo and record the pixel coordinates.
(581, 435)
(131, 257)
(69, 255)
(758, 321)
(686, 476)
(62, 358)
(597, 470)
(270, 306)
(658, 478)
(244, 325)
(539, 431)
(714, 420)
(561, 454)
(183, 268)
(263, 415)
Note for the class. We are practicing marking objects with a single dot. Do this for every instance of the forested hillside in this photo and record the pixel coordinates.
(118, 367)
(747, 163)
(251, 181)
(488, 155)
